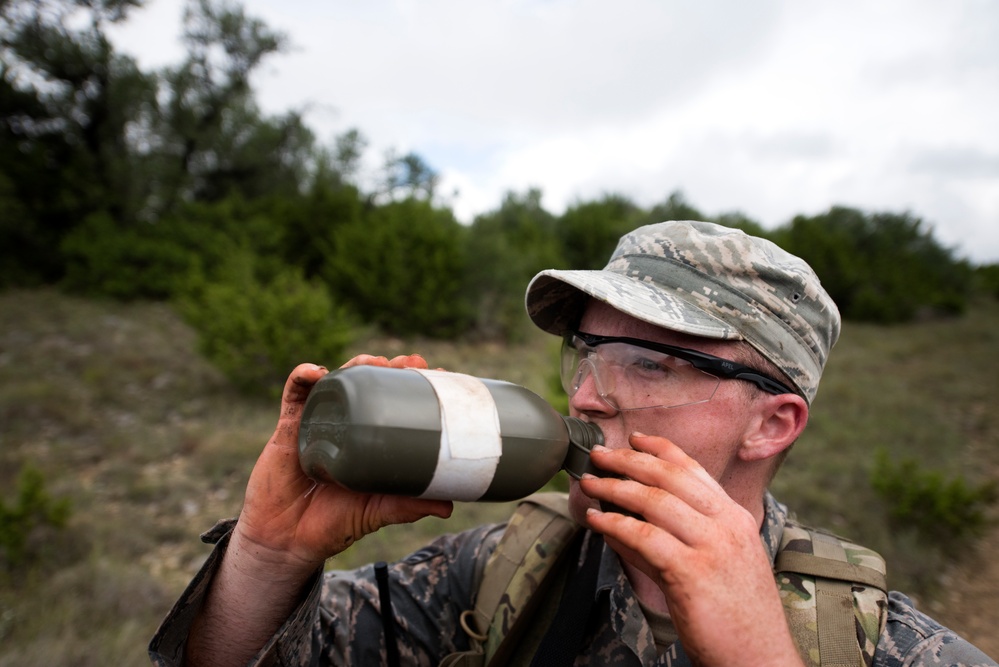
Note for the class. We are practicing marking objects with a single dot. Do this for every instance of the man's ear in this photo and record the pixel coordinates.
(781, 420)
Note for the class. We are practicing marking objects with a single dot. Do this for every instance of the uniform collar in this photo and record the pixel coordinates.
(774, 518)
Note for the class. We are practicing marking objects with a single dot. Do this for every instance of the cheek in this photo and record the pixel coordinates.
(684, 427)
(709, 433)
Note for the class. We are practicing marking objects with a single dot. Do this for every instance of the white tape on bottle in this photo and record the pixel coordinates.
(471, 444)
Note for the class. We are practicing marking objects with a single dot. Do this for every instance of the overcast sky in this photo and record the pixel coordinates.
(769, 107)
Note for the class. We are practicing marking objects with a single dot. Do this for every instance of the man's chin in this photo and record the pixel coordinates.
(579, 502)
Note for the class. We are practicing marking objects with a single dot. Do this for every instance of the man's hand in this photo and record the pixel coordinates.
(288, 527)
(291, 518)
(699, 546)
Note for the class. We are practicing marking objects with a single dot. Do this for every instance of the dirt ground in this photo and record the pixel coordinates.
(971, 605)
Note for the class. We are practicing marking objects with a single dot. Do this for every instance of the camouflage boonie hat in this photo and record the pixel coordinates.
(706, 280)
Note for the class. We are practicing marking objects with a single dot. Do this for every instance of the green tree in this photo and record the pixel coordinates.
(401, 267)
(213, 140)
(155, 260)
(880, 267)
(311, 225)
(256, 321)
(589, 231)
(95, 152)
(141, 261)
(505, 249)
(987, 277)
(342, 163)
(737, 220)
(69, 107)
(947, 513)
(408, 176)
(675, 207)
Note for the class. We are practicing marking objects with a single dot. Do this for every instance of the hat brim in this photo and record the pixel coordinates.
(555, 301)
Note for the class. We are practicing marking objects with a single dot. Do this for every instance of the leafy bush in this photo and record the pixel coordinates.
(589, 231)
(947, 513)
(26, 256)
(153, 260)
(140, 261)
(34, 508)
(505, 249)
(674, 207)
(104, 259)
(883, 267)
(256, 328)
(311, 225)
(988, 279)
(401, 269)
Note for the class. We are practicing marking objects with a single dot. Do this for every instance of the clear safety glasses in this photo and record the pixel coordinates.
(632, 374)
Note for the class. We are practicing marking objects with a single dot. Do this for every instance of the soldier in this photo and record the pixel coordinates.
(681, 571)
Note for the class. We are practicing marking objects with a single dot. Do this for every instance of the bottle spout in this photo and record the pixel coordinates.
(583, 436)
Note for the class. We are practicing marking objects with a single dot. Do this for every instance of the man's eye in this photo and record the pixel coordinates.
(647, 365)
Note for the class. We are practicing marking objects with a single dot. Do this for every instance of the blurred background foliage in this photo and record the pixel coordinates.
(129, 197)
(129, 184)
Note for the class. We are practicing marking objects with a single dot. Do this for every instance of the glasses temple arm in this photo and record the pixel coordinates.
(765, 383)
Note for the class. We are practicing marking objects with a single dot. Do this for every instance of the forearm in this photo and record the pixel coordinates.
(251, 596)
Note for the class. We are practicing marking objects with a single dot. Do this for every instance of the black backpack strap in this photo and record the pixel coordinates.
(567, 632)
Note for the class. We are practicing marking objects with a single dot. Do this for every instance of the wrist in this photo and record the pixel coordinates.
(266, 565)
(254, 592)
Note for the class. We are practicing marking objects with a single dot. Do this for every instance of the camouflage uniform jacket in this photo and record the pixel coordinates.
(339, 621)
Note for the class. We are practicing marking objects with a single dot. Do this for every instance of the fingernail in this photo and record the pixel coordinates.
(588, 475)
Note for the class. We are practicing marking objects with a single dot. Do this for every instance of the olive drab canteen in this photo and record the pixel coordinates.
(435, 434)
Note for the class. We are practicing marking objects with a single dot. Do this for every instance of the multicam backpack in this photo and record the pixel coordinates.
(834, 592)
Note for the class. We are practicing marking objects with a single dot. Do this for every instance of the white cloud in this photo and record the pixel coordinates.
(772, 108)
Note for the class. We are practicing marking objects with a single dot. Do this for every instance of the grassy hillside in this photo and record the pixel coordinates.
(150, 445)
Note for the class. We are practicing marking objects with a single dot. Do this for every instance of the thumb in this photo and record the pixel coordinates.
(296, 391)
(298, 385)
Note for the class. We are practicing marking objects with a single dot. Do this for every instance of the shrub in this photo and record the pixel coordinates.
(105, 259)
(139, 261)
(589, 231)
(505, 248)
(152, 260)
(988, 279)
(401, 268)
(33, 508)
(255, 328)
(879, 267)
(946, 513)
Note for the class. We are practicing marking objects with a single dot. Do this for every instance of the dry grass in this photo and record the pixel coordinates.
(152, 445)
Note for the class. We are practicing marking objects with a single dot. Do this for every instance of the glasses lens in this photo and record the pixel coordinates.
(631, 377)
(580, 362)
(570, 370)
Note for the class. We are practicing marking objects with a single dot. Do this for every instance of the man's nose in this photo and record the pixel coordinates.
(587, 396)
